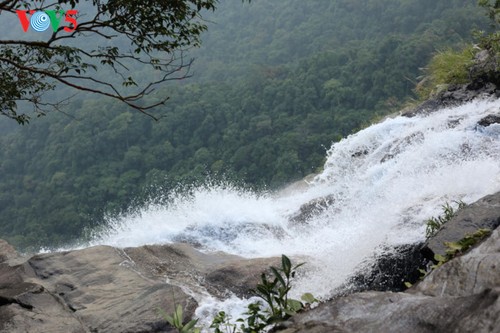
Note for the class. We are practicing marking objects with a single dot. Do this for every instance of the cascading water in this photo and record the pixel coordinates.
(377, 188)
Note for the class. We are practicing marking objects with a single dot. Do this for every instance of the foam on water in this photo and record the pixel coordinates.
(382, 183)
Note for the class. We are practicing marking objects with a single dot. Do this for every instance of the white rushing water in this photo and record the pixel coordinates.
(382, 184)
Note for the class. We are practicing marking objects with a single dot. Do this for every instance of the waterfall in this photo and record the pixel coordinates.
(377, 188)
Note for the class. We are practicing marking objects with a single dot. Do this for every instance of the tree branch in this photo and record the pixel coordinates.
(158, 33)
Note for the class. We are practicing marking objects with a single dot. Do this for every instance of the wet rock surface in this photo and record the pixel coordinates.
(106, 289)
(462, 295)
(454, 95)
(490, 120)
(390, 270)
(312, 209)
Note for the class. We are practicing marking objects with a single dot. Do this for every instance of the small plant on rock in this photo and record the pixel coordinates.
(457, 248)
(176, 320)
(434, 224)
(277, 307)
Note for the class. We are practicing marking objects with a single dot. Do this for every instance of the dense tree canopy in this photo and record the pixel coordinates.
(94, 46)
(493, 7)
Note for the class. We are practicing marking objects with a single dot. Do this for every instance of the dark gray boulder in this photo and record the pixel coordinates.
(489, 120)
(389, 271)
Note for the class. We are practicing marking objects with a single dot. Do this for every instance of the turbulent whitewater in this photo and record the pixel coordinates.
(381, 184)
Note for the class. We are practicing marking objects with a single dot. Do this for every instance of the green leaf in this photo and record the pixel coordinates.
(299, 265)
(187, 328)
(440, 258)
(278, 276)
(286, 265)
(453, 246)
(262, 289)
(294, 305)
(309, 298)
(178, 316)
(169, 319)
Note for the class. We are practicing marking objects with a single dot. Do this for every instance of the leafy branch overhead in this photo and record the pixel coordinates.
(111, 40)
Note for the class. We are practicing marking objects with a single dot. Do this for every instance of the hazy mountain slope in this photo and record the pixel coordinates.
(275, 83)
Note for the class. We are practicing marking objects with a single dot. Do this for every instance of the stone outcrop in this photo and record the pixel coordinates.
(452, 96)
(311, 209)
(388, 271)
(484, 82)
(106, 289)
(7, 251)
(483, 214)
(489, 120)
(92, 290)
(401, 312)
(486, 69)
(463, 295)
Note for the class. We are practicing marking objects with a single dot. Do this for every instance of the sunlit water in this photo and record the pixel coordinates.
(382, 183)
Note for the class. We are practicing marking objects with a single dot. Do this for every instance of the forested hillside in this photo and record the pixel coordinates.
(275, 83)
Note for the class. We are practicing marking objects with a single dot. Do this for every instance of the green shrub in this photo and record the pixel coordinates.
(445, 68)
(490, 42)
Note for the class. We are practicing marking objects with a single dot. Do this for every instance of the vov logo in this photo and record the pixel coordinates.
(40, 20)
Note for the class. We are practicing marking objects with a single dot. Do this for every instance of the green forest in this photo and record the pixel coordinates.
(273, 85)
